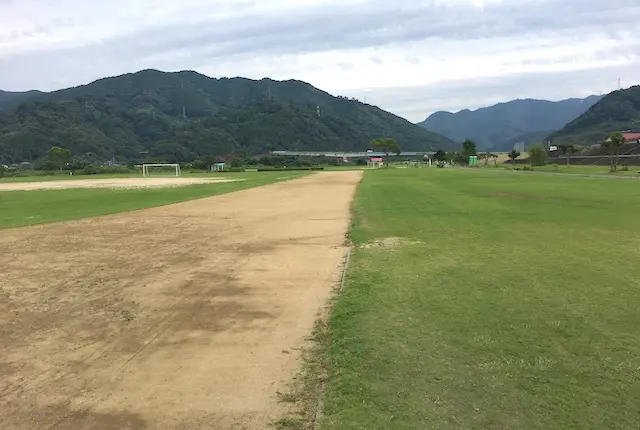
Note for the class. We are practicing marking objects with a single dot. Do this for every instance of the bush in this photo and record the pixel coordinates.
(538, 155)
(526, 168)
(625, 168)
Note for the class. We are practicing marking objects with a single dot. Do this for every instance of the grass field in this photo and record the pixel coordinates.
(20, 208)
(578, 169)
(503, 303)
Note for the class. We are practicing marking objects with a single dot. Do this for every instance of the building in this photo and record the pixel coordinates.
(350, 155)
(218, 167)
(375, 162)
(631, 137)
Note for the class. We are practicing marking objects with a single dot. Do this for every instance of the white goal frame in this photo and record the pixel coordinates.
(145, 169)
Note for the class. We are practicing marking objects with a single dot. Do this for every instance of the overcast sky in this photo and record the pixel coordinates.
(410, 57)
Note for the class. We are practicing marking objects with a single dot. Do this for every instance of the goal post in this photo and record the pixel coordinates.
(149, 170)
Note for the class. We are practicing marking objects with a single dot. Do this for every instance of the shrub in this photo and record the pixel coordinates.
(538, 155)
(625, 168)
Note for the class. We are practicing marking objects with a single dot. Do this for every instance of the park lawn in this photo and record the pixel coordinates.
(20, 208)
(509, 303)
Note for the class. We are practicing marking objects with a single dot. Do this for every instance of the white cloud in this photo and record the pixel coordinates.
(408, 56)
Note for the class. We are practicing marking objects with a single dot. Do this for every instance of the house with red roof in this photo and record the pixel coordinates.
(631, 137)
(375, 162)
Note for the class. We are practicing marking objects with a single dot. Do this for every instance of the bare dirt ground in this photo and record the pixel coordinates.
(187, 316)
(110, 183)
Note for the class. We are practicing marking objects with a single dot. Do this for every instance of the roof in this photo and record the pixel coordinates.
(631, 136)
(376, 159)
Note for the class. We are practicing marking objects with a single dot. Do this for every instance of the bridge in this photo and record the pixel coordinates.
(338, 154)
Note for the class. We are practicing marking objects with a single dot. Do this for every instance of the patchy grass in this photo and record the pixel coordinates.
(498, 310)
(306, 393)
(20, 208)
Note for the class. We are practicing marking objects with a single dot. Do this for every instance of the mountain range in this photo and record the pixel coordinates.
(498, 127)
(181, 116)
(618, 111)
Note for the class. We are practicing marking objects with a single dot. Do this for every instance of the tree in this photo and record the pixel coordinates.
(2, 170)
(613, 143)
(469, 148)
(77, 164)
(538, 155)
(495, 158)
(47, 165)
(486, 156)
(59, 156)
(440, 155)
(513, 155)
(567, 150)
(386, 145)
(236, 162)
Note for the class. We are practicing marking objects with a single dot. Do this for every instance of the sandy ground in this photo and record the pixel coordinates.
(187, 316)
(110, 183)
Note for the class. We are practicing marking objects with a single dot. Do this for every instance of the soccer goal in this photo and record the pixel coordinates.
(149, 170)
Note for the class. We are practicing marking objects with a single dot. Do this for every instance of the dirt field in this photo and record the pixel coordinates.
(110, 183)
(186, 316)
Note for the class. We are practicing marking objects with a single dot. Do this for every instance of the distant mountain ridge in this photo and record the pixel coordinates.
(180, 116)
(618, 111)
(497, 127)
(10, 99)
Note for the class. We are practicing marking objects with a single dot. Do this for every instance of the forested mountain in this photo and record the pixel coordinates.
(618, 111)
(10, 99)
(496, 126)
(183, 115)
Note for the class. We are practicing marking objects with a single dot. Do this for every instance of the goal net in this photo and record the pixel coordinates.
(149, 170)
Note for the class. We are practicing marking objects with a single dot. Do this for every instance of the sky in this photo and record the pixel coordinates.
(411, 57)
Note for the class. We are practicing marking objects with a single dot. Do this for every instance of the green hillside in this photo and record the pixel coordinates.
(501, 125)
(180, 116)
(618, 111)
(10, 99)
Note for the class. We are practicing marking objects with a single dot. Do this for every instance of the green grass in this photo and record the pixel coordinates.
(20, 208)
(516, 304)
(577, 169)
